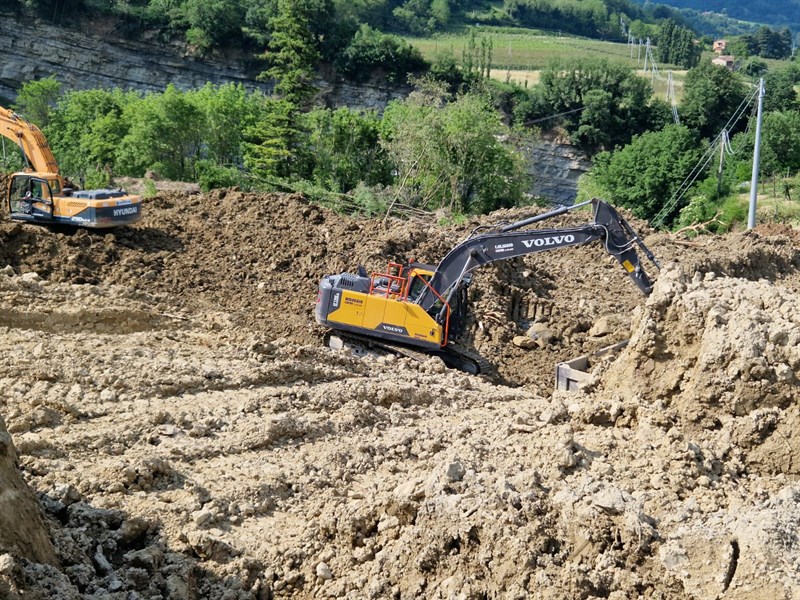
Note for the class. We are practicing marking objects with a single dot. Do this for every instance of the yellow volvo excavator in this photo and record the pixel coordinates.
(417, 308)
(39, 194)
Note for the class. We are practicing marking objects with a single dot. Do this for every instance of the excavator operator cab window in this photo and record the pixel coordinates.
(31, 196)
(417, 286)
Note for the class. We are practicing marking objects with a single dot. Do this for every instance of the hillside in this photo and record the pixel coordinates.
(785, 13)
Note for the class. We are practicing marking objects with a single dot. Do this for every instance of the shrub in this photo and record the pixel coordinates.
(370, 50)
(211, 176)
(97, 179)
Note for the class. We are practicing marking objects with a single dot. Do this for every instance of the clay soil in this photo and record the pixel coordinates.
(174, 428)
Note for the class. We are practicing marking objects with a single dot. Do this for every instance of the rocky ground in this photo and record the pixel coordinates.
(173, 428)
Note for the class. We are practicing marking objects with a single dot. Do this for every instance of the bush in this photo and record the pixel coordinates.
(456, 154)
(370, 50)
(211, 176)
(150, 189)
(372, 201)
(97, 179)
(719, 215)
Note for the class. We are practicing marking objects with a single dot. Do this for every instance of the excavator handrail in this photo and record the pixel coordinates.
(445, 304)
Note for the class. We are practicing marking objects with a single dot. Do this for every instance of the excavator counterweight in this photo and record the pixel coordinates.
(423, 307)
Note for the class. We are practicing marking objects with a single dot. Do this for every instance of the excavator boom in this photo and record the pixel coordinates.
(510, 241)
(31, 141)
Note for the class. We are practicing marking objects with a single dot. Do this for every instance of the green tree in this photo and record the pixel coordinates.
(646, 173)
(273, 145)
(345, 149)
(85, 129)
(37, 98)
(450, 153)
(228, 111)
(257, 18)
(711, 96)
(571, 88)
(164, 135)
(753, 67)
(295, 47)
(213, 22)
(370, 50)
(780, 92)
(780, 143)
(742, 46)
(676, 45)
(440, 12)
(772, 44)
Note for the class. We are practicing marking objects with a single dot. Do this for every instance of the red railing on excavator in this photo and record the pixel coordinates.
(389, 284)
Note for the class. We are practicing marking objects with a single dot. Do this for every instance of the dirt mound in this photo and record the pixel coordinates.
(193, 440)
(708, 387)
(738, 346)
(22, 529)
(194, 458)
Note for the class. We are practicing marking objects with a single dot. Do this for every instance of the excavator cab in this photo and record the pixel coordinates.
(31, 199)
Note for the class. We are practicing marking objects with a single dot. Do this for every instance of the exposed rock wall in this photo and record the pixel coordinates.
(80, 60)
(555, 169)
(35, 49)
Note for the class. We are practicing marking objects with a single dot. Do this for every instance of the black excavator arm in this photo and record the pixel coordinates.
(510, 241)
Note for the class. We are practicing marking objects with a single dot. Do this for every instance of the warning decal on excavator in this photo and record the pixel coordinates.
(628, 266)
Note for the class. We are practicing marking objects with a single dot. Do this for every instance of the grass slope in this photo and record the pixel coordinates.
(519, 55)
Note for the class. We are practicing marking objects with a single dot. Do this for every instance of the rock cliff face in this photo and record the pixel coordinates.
(85, 60)
(81, 60)
(555, 169)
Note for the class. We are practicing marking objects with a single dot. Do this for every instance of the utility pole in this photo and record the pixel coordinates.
(751, 217)
(722, 143)
(646, 54)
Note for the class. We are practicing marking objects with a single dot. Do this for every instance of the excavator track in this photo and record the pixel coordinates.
(484, 367)
(454, 356)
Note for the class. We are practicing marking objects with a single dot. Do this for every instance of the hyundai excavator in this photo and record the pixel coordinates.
(39, 194)
(418, 309)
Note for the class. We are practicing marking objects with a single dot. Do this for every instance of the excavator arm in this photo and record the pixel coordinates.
(511, 241)
(31, 141)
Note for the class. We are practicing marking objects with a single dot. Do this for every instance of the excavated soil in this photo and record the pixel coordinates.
(184, 435)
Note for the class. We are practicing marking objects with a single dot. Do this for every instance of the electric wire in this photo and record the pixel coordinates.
(704, 160)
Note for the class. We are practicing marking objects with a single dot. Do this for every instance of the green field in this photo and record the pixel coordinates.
(519, 55)
(523, 49)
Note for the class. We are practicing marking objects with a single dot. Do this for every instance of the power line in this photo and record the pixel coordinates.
(574, 110)
(709, 154)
